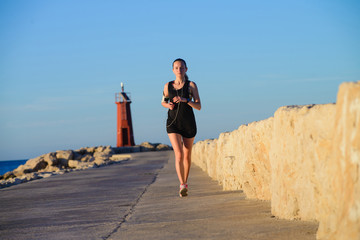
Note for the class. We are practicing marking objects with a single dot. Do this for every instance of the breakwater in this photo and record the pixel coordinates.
(304, 159)
(64, 161)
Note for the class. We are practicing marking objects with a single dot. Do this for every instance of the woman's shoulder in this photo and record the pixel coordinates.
(170, 82)
(192, 84)
(167, 84)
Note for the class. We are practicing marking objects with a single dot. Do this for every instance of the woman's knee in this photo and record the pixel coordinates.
(179, 155)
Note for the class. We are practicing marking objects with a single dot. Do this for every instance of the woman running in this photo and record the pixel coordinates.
(180, 97)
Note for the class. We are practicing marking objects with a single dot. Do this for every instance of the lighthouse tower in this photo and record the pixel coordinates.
(125, 135)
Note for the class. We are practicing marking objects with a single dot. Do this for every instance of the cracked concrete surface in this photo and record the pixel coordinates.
(138, 199)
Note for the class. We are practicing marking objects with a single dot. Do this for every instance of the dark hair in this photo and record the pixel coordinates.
(182, 60)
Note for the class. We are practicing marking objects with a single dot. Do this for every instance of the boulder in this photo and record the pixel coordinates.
(78, 164)
(120, 157)
(108, 150)
(90, 149)
(81, 151)
(33, 165)
(147, 146)
(77, 155)
(100, 149)
(87, 158)
(51, 159)
(61, 161)
(53, 169)
(100, 162)
(8, 175)
(162, 147)
(63, 157)
(101, 155)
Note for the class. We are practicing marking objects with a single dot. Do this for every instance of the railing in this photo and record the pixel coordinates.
(122, 97)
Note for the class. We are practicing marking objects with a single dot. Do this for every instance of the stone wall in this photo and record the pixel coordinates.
(305, 160)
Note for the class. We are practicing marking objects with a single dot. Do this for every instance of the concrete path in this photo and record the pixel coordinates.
(138, 199)
(88, 204)
(207, 213)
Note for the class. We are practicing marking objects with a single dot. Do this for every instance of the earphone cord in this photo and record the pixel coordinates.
(178, 107)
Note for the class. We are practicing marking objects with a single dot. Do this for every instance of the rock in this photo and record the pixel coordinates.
(120, 157)
(63, 157)
(99, 162)
(29, 176)
(51, 159)
(146, 146)
(162, 147)
(87, 158)
(77, 155)
(8, 175)
(53, 169)
(60, 162)
(101, 155)
(81, 151)
(108, 150)
(36, 164)
(45, 174)
(64, 154)
(100, 149)
(20, 170)
(90, 149)
(78, 164)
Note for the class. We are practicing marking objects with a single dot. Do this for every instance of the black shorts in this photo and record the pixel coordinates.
(185, 130)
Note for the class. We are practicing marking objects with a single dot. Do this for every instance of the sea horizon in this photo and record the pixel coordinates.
(14, 160)
(9, 165)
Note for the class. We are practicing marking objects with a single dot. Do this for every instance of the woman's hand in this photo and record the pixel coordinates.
(171, 106)
(178, 99)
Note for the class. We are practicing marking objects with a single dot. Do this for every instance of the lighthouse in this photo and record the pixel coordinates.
(125, 135)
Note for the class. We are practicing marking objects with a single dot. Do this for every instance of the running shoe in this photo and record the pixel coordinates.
(183, 190)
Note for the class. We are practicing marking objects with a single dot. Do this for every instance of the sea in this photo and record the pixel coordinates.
(6, 166)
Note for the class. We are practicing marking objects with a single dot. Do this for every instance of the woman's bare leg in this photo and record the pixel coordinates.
(177, 145)
(187, 147)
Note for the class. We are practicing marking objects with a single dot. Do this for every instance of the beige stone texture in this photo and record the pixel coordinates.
(306, 160)
(78, 164)
(239, 159)
(64, 154)
(301, 141)
(340, 218)
(101, 156)
(162, 147)
(204, 155)
(51, 159)
(147, 146)
(120, 157)
(87, 158)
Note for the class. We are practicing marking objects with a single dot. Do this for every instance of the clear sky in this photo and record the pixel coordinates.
(62, 61)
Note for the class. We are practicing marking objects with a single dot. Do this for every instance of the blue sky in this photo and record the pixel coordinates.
(61, 63)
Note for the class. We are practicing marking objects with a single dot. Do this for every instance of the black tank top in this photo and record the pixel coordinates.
(182, 122)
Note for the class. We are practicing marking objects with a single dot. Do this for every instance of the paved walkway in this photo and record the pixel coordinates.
(138, 199)
(207, 213)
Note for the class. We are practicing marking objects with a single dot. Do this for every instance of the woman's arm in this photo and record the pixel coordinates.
(196, 103)
(166, 104)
